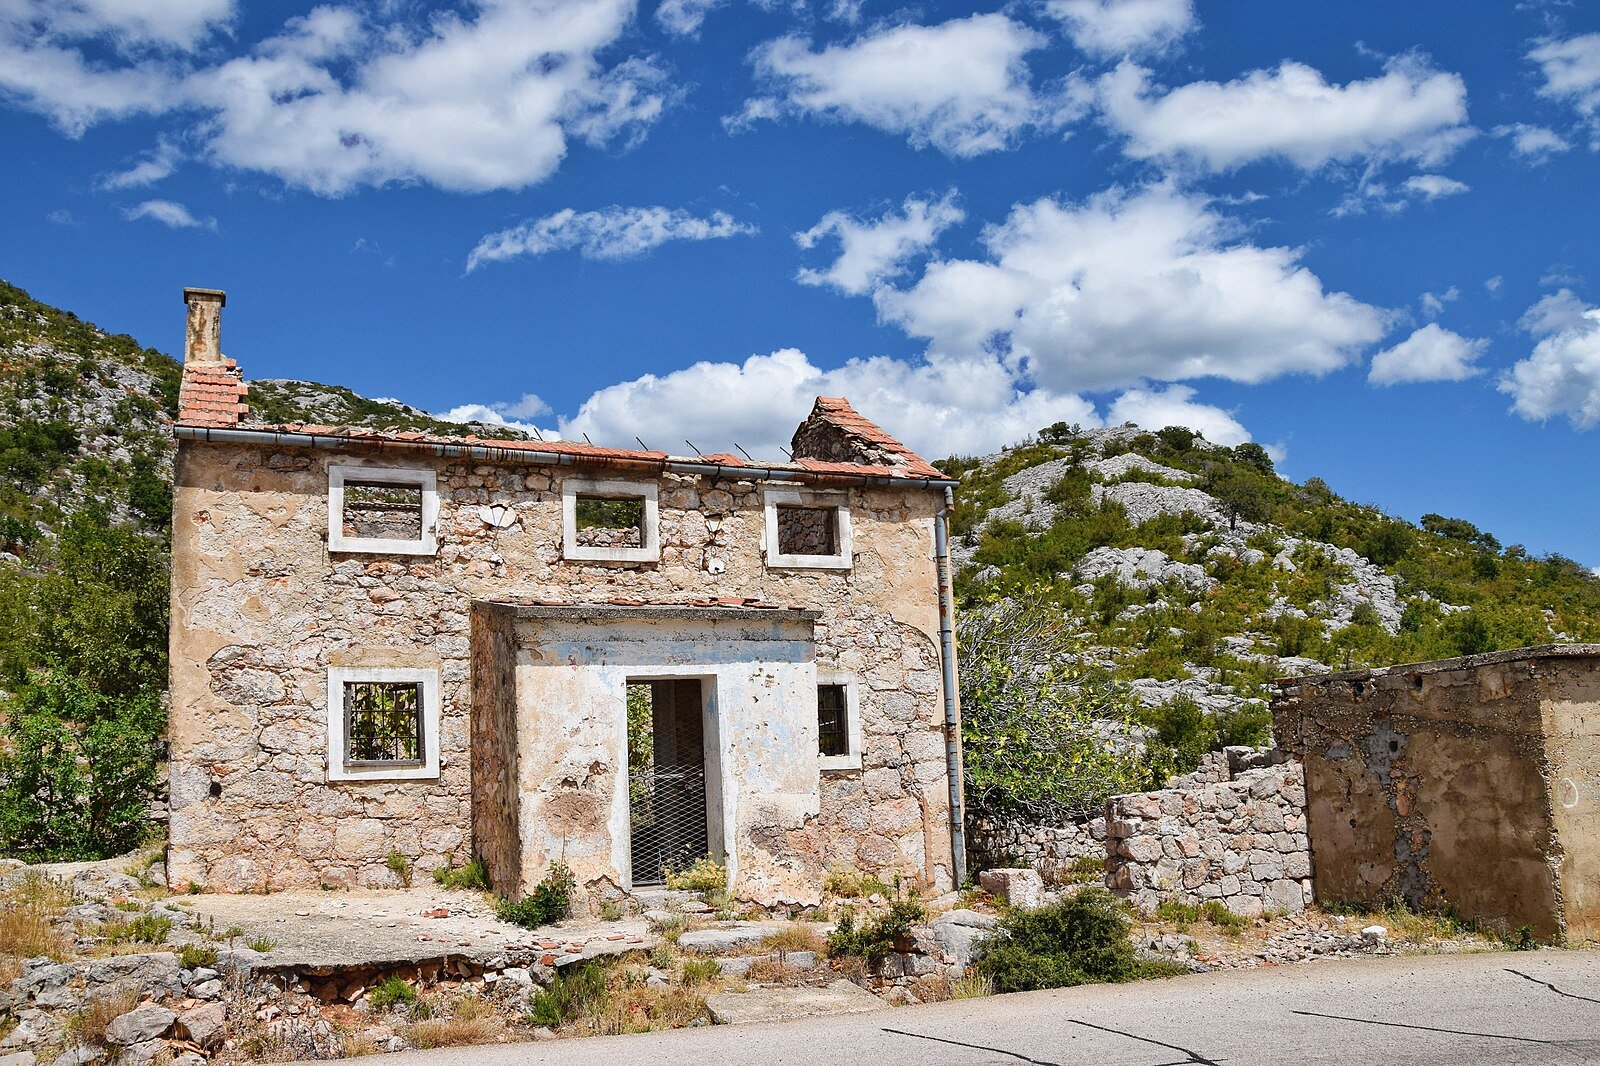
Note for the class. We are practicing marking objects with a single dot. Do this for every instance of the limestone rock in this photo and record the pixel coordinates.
(140, 1024)
(204, 1025)
(729, 937)
(1018, 887)
(787, 1004)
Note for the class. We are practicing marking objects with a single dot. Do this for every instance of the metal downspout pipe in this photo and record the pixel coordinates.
(952, 696)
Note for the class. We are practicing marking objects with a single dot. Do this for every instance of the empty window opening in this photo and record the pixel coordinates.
(383, 723)
(375, 510)
(610, 521)
(833, 720)
(808, 530)
(667, 809)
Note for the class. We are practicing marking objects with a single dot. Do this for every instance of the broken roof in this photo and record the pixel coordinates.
(834, 443)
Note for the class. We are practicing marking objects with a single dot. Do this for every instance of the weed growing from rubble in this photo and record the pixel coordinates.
(872, 941)
(575, 990)
(697, 971)
(195, 956)
(705, 874)
(143, 929)
(474, 875)
(86, 1027)
(550, 901)
(400, 866)
(262, 944)
(392, 991)
(1080, 940)
(796, 936)
(847, 882)
(610, 911)
(1217, 913)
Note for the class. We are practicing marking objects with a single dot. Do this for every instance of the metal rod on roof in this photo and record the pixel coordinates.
(536, 432)
(787, 454)
(586, 440)
(692, 445)
(744, 453)
(642, 444)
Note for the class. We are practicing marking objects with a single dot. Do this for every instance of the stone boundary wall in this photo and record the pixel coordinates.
(1235, 831)
(1050, 849)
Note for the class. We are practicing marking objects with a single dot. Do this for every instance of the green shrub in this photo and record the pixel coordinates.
(262, 944)
(142, 929)
(392, 991)
(1177, 912)
(195, 956)
(550, 901)
(574, 991)
(474, 875)
(697, 971)
(1077, 941)
(874, 940)
(1217, 913)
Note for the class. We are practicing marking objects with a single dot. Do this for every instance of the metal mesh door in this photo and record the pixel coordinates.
(666, 778)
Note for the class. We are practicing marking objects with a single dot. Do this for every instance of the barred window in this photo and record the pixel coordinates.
(833, 723)
(383, 723)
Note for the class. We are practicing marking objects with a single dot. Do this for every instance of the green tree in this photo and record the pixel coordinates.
(1242, 493)
(78, 771)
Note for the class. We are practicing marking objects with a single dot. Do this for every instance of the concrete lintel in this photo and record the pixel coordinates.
(585, 612)
(1462, 662)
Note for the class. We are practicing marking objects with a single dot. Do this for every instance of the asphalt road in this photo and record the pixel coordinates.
(1534, 1007)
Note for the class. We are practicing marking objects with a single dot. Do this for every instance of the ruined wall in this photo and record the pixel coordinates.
(1053, 850)
(261, 610)
(496, 806)
(1466, 783)
(1230, 832)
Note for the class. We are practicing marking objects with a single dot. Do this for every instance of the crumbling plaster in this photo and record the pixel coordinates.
(261, 609)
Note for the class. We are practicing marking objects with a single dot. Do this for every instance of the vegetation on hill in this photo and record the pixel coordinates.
(1256, 578)
(85, 504)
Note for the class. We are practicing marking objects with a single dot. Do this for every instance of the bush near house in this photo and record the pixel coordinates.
(550, 901)
(1079, 940)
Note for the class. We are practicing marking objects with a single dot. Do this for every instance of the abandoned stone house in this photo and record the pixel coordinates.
(541, 651)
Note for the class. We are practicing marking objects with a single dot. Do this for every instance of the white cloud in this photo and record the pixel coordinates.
(1409, 112)
(871, 251)
(938, 408)
(1175, 406)
(518, 414)
(169, 213)
(682, 18)
(1562, 376)
(1123, 27)
(611, 233)
(1533, 143)
(1434, 186)
(1433, 303)
(1430, 354)
(1125, 286)
(125, 24)
(343, 97)
(961, 86)
(156, 166)
(1571, 70)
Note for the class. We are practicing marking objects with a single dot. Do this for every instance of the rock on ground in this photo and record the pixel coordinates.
(787, 1004)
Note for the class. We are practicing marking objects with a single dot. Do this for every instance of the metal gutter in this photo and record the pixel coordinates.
(952, 695)
(537, 457)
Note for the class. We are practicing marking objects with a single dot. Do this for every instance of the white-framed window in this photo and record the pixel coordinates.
(838, 721)
(807, 529)
(384, 510)
(383, 724)
(610, 521)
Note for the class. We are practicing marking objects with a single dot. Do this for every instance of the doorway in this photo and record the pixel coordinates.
(667, 795)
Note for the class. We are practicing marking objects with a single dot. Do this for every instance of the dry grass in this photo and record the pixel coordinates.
(796, 936)
(637, 1009)
(28, 911)
(454, 1032)
(937, 988)
(698, 971)
(87, 1027)
(772, 972)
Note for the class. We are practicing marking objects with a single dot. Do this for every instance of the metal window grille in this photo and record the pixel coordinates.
(666, 779)
(383, 723)
(833, 725)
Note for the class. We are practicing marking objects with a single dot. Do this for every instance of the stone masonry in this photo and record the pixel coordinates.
(1053, 850)
(1234, 831)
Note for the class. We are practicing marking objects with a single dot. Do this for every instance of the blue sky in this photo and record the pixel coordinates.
(1363, 234)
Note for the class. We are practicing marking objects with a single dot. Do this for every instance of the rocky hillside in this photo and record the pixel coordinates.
(85, 420)
(1194, 572)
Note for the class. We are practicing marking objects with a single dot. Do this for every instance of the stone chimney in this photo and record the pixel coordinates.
(202, 340)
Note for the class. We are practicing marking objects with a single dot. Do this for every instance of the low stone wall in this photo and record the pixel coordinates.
(1234, 831)
(1050, 849)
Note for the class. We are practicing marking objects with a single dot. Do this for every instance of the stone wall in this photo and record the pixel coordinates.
(1234, 831)
(1052, 850)
(261, 610)
(1470, 783)
(496, 806)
